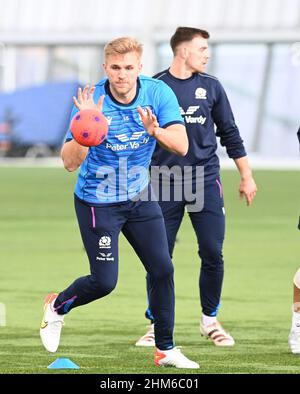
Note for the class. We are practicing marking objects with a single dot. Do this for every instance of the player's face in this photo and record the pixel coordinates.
(197, 54)
(122, 72)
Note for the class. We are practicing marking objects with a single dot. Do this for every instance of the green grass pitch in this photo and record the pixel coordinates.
(41, 251)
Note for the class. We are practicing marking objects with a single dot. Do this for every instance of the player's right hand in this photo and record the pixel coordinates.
(85, 99)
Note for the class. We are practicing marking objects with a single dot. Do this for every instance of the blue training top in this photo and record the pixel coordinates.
(203, 104)
(117, 169)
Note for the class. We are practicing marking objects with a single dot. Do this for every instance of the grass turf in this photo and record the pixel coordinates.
(41, 251)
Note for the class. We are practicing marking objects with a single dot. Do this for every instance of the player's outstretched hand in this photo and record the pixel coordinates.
(248, 189)
(149, 121)
(85, 99)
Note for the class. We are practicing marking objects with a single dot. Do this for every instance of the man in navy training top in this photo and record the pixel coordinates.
(140, 111)
(204, 104)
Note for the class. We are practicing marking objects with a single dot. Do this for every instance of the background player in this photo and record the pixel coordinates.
(204, 104)
(294, 337)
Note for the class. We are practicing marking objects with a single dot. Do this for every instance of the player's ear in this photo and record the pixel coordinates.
(184, 51)
(104, 65)
(140, 67)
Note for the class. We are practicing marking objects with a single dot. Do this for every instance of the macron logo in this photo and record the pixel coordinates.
(109, 119)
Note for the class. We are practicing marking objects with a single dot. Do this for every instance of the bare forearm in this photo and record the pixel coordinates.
(247, 186)
(73, 155)
(174, 139)
(243, 167)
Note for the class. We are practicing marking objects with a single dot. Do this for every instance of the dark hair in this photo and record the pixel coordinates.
(183, 34)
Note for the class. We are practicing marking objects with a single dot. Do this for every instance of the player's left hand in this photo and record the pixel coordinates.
(248, 189)
(149, 121)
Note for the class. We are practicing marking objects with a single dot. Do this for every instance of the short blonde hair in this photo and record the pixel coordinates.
(123, 45)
